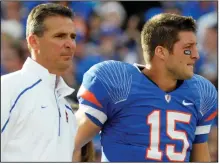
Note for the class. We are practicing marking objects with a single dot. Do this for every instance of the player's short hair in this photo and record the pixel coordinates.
(35, 20)
(163, 30)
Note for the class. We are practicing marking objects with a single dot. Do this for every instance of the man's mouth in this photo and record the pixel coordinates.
(190, 65)
(66, 57)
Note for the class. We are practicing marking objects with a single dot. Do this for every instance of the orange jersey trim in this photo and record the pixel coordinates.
(89, 96)
(212, 116)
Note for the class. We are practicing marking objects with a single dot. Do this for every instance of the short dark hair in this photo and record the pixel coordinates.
(35, 21)
(163, 30)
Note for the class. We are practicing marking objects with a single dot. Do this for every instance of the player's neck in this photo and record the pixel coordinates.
(161, 79)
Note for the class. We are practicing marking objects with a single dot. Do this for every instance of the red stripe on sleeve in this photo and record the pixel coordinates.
(89, 96)
(212, 116)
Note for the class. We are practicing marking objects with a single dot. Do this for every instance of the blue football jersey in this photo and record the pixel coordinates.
(139, 121)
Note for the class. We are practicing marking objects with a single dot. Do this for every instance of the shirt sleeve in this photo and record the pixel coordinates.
(104, 86)
(207, 109)
(93, 99)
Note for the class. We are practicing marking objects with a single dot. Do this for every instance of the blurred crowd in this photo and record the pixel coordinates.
(107, 31)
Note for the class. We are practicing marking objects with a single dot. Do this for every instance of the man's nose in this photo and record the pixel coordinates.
(195, 55)
(70, 44)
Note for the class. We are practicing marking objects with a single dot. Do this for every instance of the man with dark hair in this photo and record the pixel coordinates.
(37, 123)
(158, 112)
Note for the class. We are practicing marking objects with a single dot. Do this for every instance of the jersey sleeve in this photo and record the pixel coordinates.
(207, 109)
(104, 86)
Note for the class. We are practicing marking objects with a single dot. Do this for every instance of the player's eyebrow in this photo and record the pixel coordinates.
(73, 35)
(191, 43)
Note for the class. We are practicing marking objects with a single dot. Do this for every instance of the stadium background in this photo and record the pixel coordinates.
(111, 30)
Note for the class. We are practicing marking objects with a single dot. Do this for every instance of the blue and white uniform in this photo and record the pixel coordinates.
(139, 121)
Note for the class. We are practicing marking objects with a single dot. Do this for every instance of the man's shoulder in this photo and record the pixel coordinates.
(17, 77)
(11, 79)
(202, 87)
(111, 79)
(200, 82)
(18, 81)
(110, 67)
(11, 76)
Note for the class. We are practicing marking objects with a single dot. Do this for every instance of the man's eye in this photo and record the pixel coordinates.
(73, 37)
(59, 36)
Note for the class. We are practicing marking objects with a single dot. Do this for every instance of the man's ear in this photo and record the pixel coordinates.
(33, 41)
(161, 52)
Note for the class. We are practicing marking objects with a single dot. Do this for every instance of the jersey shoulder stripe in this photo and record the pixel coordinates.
(115, 77)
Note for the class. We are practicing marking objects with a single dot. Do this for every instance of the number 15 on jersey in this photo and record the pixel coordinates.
(153, 152)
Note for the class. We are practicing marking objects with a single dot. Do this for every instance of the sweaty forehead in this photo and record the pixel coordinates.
(187, 37)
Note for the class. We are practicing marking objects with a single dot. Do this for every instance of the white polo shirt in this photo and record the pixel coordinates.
(37, 123)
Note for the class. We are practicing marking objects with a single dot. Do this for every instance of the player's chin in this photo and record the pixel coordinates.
(188, 75)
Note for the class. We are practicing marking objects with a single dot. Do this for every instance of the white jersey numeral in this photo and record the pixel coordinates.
(153, 151)
(172, 117)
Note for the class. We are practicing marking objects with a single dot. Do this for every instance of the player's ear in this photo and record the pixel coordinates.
(160, 52)
(33, 41)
